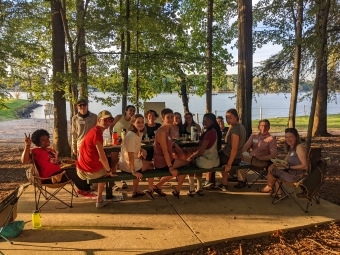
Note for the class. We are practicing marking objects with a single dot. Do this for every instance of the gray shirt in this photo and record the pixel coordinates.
(240, 131)
(80, 127)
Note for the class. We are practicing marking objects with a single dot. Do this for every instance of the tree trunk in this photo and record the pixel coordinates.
(81, 50)
(126, 59)
(209, 56)
(297, 62)
(60, 141)
(245, 64)
(320, 117)
(184, 91)
(321, 34)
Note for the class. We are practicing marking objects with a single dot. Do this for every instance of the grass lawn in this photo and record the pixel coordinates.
(301, 123)
(12, 104)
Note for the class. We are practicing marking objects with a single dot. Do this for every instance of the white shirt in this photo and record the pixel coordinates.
(132, 143)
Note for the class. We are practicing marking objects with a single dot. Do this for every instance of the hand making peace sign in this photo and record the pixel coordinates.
(28, 140)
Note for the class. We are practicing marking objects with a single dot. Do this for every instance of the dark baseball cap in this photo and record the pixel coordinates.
(82, 101)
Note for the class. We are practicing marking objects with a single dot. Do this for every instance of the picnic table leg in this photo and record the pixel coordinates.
(109, 186)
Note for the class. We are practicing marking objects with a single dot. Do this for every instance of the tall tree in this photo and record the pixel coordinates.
(245, 64)
(322, 13)
(210, 19)
(297, 62)
(58, 52)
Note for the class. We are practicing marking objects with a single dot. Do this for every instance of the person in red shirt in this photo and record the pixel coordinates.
(47, 162)
(92, 162)
(207, 154)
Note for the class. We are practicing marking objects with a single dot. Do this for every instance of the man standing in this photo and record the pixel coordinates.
(264, 148)
(82, 122)
(92, 162)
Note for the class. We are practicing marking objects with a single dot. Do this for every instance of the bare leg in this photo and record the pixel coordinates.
(225, 177)
(135, 186)
(114, 161)
(100, 192)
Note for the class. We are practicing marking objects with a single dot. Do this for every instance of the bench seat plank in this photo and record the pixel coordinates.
(122, 176)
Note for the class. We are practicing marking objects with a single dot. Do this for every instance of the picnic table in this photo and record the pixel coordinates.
(149, 145)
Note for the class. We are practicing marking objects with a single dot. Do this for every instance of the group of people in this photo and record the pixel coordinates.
(93, 163)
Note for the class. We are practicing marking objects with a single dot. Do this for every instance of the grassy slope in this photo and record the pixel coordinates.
(12, 104)
(280, 124)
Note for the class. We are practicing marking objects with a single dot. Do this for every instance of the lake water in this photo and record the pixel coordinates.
(273, 105)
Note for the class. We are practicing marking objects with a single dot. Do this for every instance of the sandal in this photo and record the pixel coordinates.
(175, 193)
(159, 191)
(200, 192)
(191, 193)
(138, 194)
(263, 190)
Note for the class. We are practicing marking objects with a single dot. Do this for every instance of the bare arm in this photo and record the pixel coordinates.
(234, 146)
(201, 149)
(102, 156)
(116, 119)
(25, 157)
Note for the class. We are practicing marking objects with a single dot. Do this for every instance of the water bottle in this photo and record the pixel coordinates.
(36, 219)
(192, 128)
(115, 138)
(194, 135)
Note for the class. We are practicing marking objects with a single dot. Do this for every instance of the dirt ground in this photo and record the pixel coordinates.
(324, 239)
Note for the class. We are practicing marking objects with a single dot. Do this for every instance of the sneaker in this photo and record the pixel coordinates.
(191, 193)
(223, 187)
(149, 193)
(87, 194)
(240, 185)
(232, 179)
(115, 187)
(102, 204)
(124, 185)
(207, 184)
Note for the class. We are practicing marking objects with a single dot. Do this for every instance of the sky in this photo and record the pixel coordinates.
(259, 55)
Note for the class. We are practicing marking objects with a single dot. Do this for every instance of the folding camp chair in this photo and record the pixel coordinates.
(47, 190)
(8, 209)
(261, 173)
(310, 184)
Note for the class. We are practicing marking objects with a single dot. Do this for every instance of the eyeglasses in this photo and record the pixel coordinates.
(82, 105)
(108, 120)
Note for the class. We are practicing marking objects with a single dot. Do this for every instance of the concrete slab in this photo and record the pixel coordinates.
(142, 226)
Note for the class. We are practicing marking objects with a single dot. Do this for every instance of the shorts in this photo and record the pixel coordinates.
(288, 175)
(138, 171)
(91, 175)
(165, 168)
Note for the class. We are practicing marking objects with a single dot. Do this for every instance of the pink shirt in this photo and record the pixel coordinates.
(158, 156)
(262, 145)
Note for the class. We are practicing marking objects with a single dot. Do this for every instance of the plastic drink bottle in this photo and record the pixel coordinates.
(36, 219)
(115, 138)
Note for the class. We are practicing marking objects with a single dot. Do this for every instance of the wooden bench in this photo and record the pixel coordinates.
(123, 176)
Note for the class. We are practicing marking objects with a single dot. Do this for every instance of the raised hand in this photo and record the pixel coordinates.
(28, 140)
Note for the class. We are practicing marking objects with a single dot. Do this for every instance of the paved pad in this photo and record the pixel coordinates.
(166, 224)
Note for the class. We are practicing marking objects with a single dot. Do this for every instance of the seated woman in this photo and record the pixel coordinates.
(232, 152)
(131, 159)
(224, 129)
(47, 162)
(167, 155)
(151, 128)
(188, 122)
(297, 163)
(177, 127)
(207, 154)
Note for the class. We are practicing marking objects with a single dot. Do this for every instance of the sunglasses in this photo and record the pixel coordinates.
(82, 105)
(108, 120)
